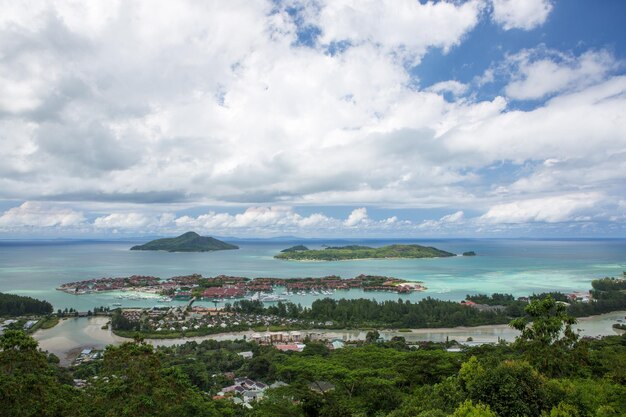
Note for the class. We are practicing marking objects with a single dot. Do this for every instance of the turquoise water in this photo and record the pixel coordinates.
(517, 266)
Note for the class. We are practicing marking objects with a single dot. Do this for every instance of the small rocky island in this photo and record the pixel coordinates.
(339, 253)
(187, 242)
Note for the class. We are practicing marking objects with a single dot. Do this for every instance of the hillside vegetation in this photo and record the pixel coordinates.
(339, 253)
(188, 242)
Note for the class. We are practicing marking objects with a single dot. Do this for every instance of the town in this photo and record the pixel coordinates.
(232, 287)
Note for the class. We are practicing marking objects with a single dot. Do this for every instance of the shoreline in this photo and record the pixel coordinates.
(86, 332)
(364, 259)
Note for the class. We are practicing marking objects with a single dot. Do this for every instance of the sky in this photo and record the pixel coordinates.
(314, 118)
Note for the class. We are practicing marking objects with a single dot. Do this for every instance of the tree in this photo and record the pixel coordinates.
(469, 409)
(510, 389)
(29, 384)
(372, 336)
(133, 382)
(547, 338)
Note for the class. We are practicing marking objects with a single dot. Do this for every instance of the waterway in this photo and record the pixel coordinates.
(72, 335)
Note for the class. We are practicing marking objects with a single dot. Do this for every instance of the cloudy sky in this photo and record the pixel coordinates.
(313, 118)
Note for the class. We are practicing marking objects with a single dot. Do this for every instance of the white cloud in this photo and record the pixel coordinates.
(356, 217)
(122, 221)
(40, 215)
(239, 114)
(445, 221)
(538, 76)
(453, 218)
(451, 86)
(274, 218)
(404, 26)
(550, 209)
(521, 14)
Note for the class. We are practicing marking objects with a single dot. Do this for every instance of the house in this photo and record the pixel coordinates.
(337, 344)
(583, 297)
(29, 324)
(321, 387)
(295, 347)
(252, 395)
(246, 355)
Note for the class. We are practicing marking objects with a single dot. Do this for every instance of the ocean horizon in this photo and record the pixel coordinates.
(520, 266)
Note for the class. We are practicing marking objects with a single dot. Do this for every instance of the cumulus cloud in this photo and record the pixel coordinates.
(539, 73)
(40, 215)
(274, 218)
(122, 220)
(450, 86)
(550, 210)
(357, 216)
(521, 14)
(403, 26)
(445, 221)
(233, 108)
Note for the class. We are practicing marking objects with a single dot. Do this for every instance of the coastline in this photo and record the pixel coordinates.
(86, 332)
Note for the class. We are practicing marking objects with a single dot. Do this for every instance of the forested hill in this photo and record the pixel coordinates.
(187, 242)
(17, 305)
(338, 253)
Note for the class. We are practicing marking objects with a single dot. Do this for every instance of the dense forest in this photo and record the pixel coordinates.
(336, 253)
(370, 313)
(17, 305)
(547, 371)
(187, 242)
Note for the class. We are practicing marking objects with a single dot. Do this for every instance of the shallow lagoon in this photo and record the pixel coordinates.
(517, 266)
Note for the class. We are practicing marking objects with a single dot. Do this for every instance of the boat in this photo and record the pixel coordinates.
(266, 298)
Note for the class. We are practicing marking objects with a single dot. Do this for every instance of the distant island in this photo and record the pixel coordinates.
(187, 242)
(295, 249)
(339, 253)
(470, 253)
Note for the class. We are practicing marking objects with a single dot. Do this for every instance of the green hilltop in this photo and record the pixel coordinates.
(338, 253)
(187, 242)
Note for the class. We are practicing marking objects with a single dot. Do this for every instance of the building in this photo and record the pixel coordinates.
(294, 347)
(246, 355)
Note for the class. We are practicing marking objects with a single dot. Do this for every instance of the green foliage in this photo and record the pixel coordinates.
(363, 252)
(187, 242)
(609, 284)
(29, 384)
(361, 313)
(469, 409)
(511, 388)
(547, 338)
(494, 299)
(17, 305)
(295, 248)
(560, 376)
(134, 382)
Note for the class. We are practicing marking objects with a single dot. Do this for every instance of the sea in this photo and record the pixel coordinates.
(515, 266)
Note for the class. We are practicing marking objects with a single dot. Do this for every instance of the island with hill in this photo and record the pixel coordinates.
(339, 253)
(187, 242)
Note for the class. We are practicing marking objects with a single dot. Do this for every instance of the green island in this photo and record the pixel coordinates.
(340, 253)
(187, 242)
(548, 371)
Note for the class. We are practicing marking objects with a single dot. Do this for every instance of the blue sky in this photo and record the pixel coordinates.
(313, 118)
